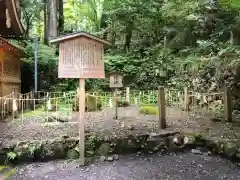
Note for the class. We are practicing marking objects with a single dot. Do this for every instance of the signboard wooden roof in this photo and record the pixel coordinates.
(76, 35)
(80, 56)
(11, 26)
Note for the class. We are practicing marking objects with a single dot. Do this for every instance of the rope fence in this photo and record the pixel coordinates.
(67, 102)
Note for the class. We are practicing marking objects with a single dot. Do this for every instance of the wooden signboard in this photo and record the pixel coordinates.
(81, 56)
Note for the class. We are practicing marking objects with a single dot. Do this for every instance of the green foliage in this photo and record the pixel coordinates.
(11, 155)
(149, 110)
(46, 56)
(92, 103)
(122, 103)
(7, 172)
(34, 148)
(154, 42)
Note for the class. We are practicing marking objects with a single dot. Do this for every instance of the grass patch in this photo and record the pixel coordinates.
(149, 110)
(37, 111)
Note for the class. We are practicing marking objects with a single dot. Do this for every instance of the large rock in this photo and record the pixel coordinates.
(211, 144)
(104, 149)
(189, 141)
(128, 144)
(72, 154)
(55, 149)
(69, 143)
(92, 103)
(230, 149)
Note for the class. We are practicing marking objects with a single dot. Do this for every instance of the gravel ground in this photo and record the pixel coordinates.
(130, 122)
(185, 166)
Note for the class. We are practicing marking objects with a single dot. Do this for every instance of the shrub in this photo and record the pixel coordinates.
(236, 105)
(149, 110)
(122, 103)
(92, 103)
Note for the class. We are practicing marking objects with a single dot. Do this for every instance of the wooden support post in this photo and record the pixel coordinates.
(186, 99)
(227, 104)
(115, 103)
(128, 94)
(161, 108)
(81, 93)
(14, 105)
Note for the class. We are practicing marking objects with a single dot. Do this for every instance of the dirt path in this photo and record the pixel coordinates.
(155, 167)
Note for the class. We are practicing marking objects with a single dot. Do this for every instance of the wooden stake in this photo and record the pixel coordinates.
(227, 104)
(186, 99)
(81, 121)
(161, 108)
(115, 99)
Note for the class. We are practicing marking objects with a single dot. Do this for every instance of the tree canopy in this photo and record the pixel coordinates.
(175, 42)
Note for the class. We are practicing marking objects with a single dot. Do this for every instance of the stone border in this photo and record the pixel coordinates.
(107, 149)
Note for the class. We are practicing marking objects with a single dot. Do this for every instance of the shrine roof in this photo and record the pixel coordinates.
(11, 26)
(5, 44)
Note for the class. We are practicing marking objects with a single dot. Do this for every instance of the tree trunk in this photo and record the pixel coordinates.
(61, 17)
(128, 36)
(45, 21)
(52, 19)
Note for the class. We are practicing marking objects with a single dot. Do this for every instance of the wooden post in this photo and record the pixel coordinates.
(227, 104)
(14, 105)
(81, 121)
(128, 94)
(161, 108)
(115, 103)
(186, 99)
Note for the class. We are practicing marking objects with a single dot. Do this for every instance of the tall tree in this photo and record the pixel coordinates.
(60, 16)
(52, 19)
(45, 21)
(31, 10)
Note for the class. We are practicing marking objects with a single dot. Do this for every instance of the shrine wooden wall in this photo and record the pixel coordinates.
(10, 76)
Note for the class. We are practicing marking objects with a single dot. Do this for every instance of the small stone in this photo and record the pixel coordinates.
(153, 134)
(116, 157)
(155, 149)
(9, 145)
(65, 136)
(185, 140)
(131, 128)
(238, 155)
(150, 152)
(196, 151)
(176, 140)
(110, 159)
(102, 158)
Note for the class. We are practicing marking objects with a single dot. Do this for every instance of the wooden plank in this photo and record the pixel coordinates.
(186, 99)
(227, 104)
(161, 108)
(81, 121)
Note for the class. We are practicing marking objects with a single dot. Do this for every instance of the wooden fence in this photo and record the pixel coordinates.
(162, 98)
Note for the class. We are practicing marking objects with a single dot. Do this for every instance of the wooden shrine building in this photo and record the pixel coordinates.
(11, 26)
(10, 64)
